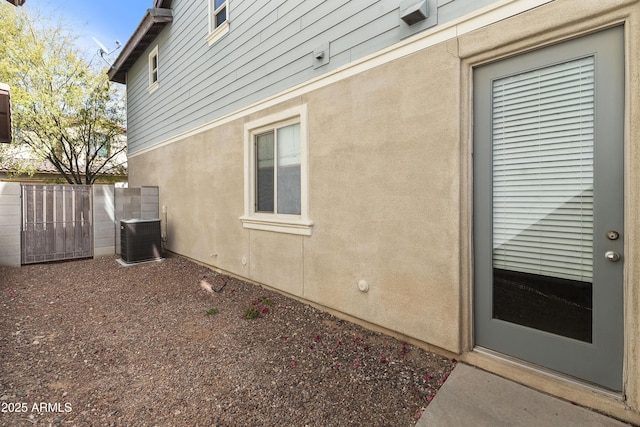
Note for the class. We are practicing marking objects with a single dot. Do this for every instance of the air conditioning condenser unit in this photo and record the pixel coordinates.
(140, 240)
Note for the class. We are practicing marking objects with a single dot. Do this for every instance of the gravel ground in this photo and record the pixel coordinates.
(91, 343)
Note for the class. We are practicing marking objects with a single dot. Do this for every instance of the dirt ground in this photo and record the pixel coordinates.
(92, 343)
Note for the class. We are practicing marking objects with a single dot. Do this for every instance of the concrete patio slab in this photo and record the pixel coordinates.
(472, 397)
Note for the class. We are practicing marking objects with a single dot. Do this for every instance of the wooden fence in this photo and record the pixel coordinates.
(56, 222)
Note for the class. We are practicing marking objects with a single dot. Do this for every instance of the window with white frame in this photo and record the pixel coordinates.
(276, 175)
(100, 146)
(5, 114)
(218, 19)
(153, 70)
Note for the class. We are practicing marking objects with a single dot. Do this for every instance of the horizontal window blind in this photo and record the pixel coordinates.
(289, 161)
(542, 138)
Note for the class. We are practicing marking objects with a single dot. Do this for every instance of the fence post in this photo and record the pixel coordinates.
(104, 220)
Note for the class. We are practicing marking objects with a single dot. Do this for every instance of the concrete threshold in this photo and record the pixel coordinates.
(473, 397)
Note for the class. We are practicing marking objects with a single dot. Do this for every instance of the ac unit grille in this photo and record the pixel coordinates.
(140, 240)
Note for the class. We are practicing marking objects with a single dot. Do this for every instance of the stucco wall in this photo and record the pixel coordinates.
(384, 170)
(394, 222)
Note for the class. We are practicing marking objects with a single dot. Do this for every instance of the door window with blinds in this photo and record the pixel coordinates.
(543, 145)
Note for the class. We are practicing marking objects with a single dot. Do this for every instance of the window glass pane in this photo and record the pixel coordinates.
(221, 17)
(153, 65)
(100, 146)
(265, 172)
(218, 3)
(5, 118)
(543, 153)
(289, 170)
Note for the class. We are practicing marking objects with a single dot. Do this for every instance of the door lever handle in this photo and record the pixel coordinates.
(612, 256)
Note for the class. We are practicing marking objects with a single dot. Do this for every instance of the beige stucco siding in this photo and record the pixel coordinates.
(383, 193)
(201, 187)
(277, 260)
(384, 196)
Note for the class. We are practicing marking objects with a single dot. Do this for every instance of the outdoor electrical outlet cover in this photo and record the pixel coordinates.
(321, 55)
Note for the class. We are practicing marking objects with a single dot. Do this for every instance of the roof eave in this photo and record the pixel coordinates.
(153, 22)
(163, 4)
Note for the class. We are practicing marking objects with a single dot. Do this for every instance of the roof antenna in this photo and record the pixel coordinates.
(104, 52)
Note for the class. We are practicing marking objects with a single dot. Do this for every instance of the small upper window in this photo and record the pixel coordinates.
(153, 70)
(218, 19)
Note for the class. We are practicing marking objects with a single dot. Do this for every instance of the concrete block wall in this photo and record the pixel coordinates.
(149, 199)
(135, 203)
(128, 203)
(110, 205)
(10, 218)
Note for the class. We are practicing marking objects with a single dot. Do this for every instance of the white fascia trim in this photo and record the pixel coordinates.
(483, 17)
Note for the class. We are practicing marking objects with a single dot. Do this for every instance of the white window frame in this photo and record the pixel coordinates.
(154, 80)
(216, 32)
(290, 224)
(100, 147)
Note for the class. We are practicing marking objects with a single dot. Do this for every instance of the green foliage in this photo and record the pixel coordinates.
(251, 312)
(258, 308)
(64, 107)
(213, 312)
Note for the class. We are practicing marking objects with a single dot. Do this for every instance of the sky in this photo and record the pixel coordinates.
(107, 21)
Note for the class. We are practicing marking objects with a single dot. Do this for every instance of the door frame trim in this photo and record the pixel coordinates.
(606, 351)
(532, 30)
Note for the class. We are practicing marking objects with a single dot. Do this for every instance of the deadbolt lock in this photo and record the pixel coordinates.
(612, 235)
